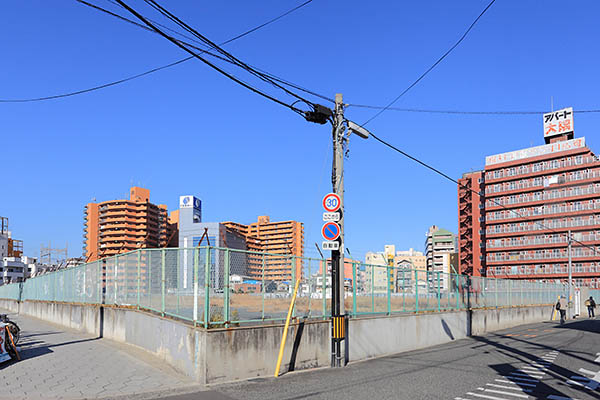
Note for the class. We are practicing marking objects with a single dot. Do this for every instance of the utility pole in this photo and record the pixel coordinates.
(569, 300)
(337, 256)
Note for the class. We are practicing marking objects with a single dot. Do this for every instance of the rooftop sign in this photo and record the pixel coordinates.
(558, 122)
(536, 151)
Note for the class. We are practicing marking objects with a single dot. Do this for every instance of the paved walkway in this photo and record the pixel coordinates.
(62, 364)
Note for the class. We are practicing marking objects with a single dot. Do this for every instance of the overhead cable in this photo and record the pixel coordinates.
(391, 103)
(117, 82)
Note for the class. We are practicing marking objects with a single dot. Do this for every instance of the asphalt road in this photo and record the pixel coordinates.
(545, 361)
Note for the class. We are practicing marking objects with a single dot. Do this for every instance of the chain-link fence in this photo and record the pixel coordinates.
(212, 286)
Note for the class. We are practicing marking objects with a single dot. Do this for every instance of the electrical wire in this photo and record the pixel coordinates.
(154, 4)
(216, 68)
(117, 82)
(432, 67)
(418, 110)
(439, 172)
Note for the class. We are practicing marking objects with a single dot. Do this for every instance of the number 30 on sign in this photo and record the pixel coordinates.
(331, 202)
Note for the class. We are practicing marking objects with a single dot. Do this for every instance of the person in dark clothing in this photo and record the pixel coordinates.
(591, 304)
(561, 306)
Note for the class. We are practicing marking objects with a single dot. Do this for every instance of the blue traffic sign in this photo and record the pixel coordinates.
(331, 231)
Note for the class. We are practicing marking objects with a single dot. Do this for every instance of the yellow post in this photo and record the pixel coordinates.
(555, 311)
(285, 329)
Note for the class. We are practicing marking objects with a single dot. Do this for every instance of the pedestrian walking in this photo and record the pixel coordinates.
(561, 306)
(590, 304)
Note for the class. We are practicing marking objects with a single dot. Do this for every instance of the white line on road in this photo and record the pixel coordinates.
(555, 397)
(580, 378)
(522, 396)
(509, 387)
(526, 375)
(485, 397)
(528, 379)
(519, 383)
(587, 371)
(535, 368)
(597, 359)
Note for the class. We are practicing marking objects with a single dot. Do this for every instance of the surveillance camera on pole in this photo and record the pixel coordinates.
(358, 130)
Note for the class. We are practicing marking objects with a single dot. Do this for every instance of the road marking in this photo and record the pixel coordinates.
(523, 396)
(587, 371)
(509, 387)
(580, 378)
(597, 359)
(520, 383)
(522, 379)
(555, 397)
(484, 396)
(526, 375)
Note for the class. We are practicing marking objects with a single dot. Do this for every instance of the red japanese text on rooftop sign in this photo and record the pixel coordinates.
(536, 151)
(558, 122)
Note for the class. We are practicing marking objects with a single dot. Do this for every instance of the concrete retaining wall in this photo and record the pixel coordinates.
(220, 355)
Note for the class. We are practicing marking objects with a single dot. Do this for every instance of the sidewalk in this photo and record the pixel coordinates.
(57, 363)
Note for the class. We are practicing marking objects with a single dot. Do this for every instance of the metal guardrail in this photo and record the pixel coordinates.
(203, 285)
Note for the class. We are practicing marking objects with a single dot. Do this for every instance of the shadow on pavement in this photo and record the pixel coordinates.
(554, 370)
(588, 325)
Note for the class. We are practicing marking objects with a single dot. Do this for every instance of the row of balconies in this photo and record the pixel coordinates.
(545, 270)
(539, 182)
(553, 254)
(546, 195)
(524, 241)
(543, 210)
(540, 167)
(544, 225)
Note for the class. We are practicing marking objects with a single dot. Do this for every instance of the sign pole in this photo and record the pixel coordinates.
(337, 256)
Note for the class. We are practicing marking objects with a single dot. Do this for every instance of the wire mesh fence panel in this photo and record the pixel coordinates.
(154, 280)
(10, 291)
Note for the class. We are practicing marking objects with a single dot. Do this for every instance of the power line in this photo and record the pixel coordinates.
(213, 45)
(432, 67)
(419, 110)
(117, 82)
(216, 68)
(439, 172)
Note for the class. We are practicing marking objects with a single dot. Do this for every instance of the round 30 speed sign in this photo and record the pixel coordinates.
(331, 202)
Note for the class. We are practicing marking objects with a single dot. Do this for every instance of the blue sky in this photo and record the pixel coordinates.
(188, 130)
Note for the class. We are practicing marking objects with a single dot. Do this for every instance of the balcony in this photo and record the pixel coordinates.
(542, 166)
(546, 195)
(544, 225)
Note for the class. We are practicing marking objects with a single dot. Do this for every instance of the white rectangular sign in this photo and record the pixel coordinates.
(331, 216)
(558, 122)
(327, 245)
(536, 151)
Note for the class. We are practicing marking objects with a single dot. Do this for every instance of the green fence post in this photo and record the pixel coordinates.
(162, 282)
(207, 288)
(496, 290)
(195, 279)
(139, 276)
(403, 290)
(177, 288)
(227, 265)
(457, 278)
(293, 284)
(263, 286)
(389, 291)
(354, 290)
(439, 293)
(416, 291)
(372, 289)
(116, 274)
(99, 279)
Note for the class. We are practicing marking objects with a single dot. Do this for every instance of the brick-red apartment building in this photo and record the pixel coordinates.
(515, 215)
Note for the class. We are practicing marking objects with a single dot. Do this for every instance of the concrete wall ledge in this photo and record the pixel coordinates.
(228, 354)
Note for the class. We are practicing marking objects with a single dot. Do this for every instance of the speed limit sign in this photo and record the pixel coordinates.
(331, 202)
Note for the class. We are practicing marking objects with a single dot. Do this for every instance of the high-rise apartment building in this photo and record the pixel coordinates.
(117, 226)
(533, 198)
(281, 240)
(439, 251)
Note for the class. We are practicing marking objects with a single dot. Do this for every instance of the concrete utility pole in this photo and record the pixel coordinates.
(569, 300)
(337, 256)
